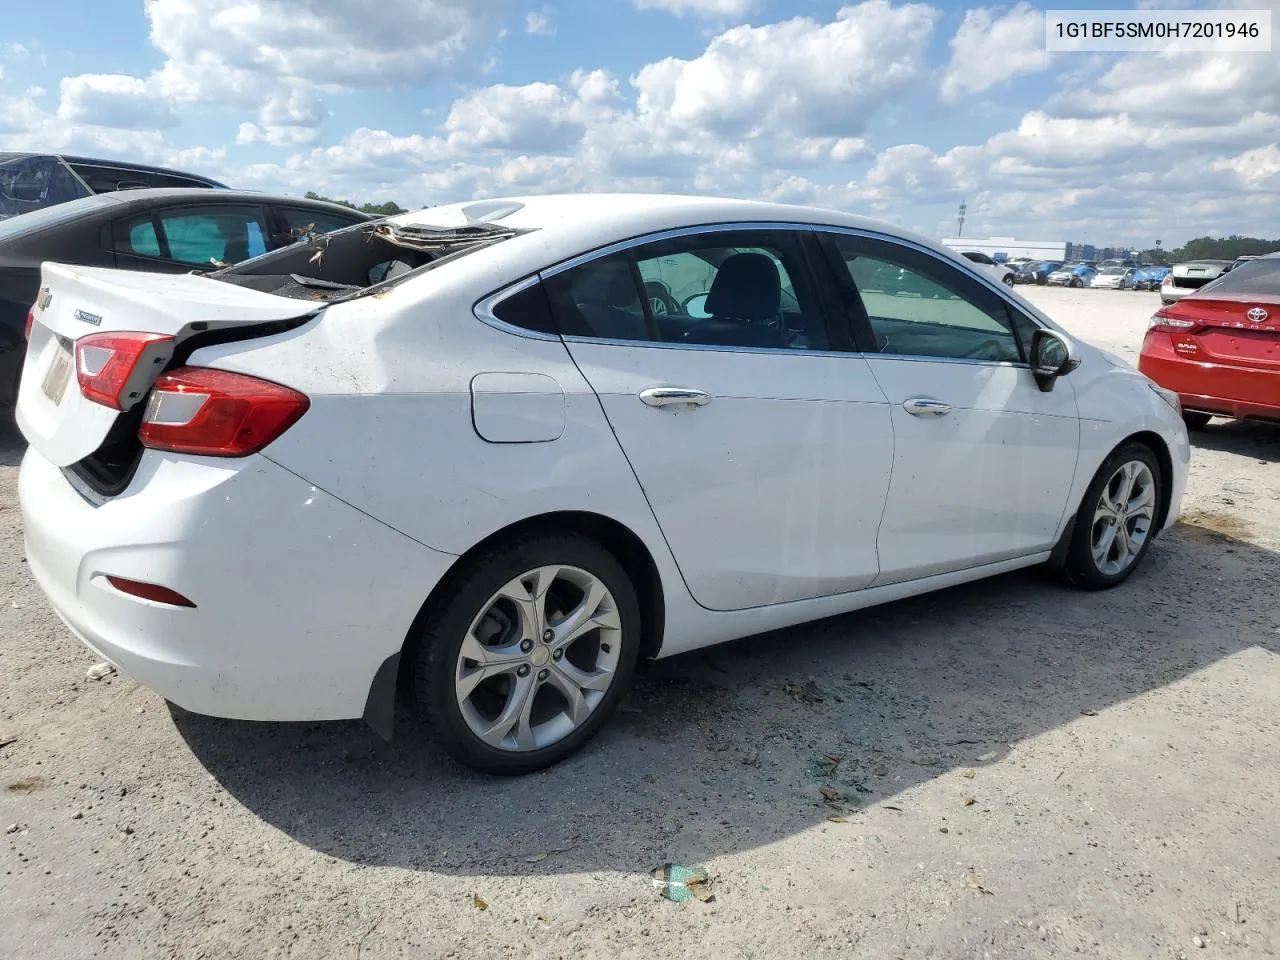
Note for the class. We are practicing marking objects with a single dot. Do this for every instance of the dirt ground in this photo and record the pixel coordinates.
(1024, 770)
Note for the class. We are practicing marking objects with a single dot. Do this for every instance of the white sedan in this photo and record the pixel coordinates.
(461, 454)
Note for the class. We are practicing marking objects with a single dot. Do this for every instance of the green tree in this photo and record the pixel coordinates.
(1212, 248)
(388, 209)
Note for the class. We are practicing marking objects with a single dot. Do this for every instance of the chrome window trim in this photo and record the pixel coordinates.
(483, 310)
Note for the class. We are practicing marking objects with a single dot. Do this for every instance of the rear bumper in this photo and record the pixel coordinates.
(299, 597)
(1228, 391)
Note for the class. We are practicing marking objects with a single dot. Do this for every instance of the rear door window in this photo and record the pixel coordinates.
(197, 236)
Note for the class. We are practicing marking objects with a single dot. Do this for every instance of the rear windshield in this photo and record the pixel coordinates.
(358, 260)
(29, 184)
(1253, 278)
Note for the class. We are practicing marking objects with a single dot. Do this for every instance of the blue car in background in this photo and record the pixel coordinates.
(1036, 272)
(1072, 275)
(1149, 277)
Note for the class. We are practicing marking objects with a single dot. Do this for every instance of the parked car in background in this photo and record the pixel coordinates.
(156, 230)
(1113, 278)
(32, 181)
(1072, 275)
(1186, 278)
(1149, 277)
(1239, 260)
(1000, 271)
(1114, 262)
(1037, 272)
(495, 481)
(1219, 347)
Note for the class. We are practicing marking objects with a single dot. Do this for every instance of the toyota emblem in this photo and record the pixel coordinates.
(1257, 314)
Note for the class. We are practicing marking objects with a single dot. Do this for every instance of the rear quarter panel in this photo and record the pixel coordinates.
(390, 430)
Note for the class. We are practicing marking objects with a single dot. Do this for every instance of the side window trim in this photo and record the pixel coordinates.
(861, 323)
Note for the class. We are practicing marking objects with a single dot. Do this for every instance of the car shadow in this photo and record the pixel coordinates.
(1248, 438)
(723, 750)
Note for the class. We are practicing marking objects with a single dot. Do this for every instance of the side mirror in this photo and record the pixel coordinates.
(1051, 357)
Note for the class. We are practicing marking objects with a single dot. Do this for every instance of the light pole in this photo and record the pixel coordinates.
(960, 225)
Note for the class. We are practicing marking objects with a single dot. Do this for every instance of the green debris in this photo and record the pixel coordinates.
(679, 883)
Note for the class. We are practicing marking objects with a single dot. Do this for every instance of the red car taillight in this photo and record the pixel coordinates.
(31, 320)
(1162, 320)
(107, 362)
(216, 413)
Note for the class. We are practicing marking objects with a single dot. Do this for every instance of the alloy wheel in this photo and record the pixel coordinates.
(538, 658)
(1123, 517)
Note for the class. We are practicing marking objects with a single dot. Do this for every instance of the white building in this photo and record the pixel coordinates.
(1007, 248)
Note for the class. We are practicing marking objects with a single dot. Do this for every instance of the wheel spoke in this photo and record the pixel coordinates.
(578, 708)
(514, 716)
(1143, 505)
(1102, 549)
(529, 593)
(597, 679)
(590, 614)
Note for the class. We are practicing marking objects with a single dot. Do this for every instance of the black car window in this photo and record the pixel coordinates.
(199, 236)
(599, 299)
(919, 306)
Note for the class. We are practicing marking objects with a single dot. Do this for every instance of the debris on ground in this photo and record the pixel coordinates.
(807, 692)
(100, 671)
(824, 766)
(5, 741)
(987, 757)
(968, 774)
(836, 818)
(478, 902)
(543, 854)
(890, 807)
(679, 883)
(973, 883)
(1199, 942)
(831, 794)
(969, 801)
(13, 828)
(1088, 713)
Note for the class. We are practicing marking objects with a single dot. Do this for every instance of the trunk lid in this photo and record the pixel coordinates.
(76, 302)
(1232, 329)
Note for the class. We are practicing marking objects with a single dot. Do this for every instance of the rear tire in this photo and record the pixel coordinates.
(523, 702)
(1195, 420)
(1117, 519)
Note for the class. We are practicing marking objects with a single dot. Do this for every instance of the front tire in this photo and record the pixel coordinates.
(527, 653)
(1117, 519)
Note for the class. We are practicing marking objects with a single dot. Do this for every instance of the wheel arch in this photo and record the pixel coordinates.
(615, 537)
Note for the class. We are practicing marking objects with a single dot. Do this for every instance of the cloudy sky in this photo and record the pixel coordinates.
(898, 110)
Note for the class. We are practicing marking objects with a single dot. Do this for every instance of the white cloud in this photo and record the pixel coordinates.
(539, 23)
(797, 77)
(989, 49)
(35, 92)
(113, 100)
(1254, 169)
(707, 9)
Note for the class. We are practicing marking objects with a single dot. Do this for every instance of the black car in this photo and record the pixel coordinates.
(160, 231)
(33, 181)
(1036, 272)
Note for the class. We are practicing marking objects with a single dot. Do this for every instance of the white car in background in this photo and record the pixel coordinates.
(461, 455)
(1113, 278)
(1000, 271)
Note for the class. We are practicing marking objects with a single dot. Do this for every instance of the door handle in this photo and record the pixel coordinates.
(665, 396)
(925, 407)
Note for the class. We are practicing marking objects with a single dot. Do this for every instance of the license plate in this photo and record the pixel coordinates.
(58, 375)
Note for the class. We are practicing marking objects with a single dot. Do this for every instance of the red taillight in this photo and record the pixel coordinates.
(31, 320)
(216, 413)
(1163, 320)
(114, 369)
(1167, 281)
(149, 591)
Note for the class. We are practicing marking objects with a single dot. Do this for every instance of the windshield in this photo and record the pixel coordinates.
(1112, 271)
(34, 183)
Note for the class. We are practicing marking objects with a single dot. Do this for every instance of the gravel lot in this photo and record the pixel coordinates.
(1025, 770)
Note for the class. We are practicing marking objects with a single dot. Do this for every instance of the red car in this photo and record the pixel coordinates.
(1219, 348)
